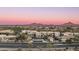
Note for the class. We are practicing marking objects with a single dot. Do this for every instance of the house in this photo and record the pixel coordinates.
(68, 34)
(29, 31)
(51, 39)
(5, 38)
(76, 33)
(38, 41)
(6, 31)
(64, 38)
(57, 34)
(11, 38)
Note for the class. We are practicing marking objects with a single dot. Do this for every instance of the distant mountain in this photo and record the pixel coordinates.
(39, 24)
(65, 24)
(36, 24)
(69, 24)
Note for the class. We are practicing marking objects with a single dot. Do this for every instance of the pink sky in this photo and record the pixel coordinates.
(42, 15)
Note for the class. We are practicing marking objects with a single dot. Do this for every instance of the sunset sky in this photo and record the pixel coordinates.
(43, 15)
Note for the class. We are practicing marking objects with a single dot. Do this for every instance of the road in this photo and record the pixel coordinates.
(25, 45)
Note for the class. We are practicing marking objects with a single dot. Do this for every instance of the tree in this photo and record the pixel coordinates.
(69, 41)
(17, 30)
(76, 39)
(29, 40)
(30, 45)
(49, 45)
(21, 37)
(61, 34)
(19, 49)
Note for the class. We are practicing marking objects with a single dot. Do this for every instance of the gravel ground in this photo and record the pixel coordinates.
(36, 49)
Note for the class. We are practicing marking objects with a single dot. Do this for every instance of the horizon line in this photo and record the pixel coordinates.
(37, 23)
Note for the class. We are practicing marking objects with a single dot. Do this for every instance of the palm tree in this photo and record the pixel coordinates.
(29, 40)
(69, 41)
(21, 37)
(76, 39)
(30, 45)
(49, 45)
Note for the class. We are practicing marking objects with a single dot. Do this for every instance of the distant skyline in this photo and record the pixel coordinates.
(43, 15)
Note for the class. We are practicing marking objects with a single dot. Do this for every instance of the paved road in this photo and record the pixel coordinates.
(25, 45)
(13, 45)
